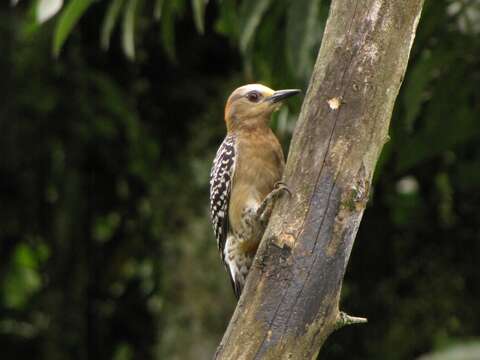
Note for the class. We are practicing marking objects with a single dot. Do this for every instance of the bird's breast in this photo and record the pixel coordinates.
(259, 166)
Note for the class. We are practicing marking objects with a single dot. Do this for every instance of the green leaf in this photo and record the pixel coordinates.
(252, 12)
(128, 36)
(417, 82)
(445, 201)
(449, 120)
(168, 29)
(199, 14)
(106, 226)
(302, 35)
(227, 19)
(157, 10)
(23, 278)
(109, 22)
(25, 256)
(68, 18)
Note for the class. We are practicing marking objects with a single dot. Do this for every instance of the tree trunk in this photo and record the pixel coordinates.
(290, 303)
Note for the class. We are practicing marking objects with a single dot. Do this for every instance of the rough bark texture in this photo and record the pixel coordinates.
(291, 300)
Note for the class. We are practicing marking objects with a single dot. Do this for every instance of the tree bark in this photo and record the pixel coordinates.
(290, 303)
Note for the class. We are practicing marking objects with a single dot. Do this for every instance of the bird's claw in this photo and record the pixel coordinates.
(281, 186)
(263, 212)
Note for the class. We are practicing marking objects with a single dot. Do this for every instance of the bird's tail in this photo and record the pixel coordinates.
(238, 283)
(238, 276)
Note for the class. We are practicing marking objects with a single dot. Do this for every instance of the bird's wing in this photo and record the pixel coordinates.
(221, 177)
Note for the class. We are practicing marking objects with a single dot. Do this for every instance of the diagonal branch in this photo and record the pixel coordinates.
(290, 303)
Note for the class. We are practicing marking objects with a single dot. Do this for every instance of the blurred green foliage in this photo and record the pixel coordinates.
(106, 250)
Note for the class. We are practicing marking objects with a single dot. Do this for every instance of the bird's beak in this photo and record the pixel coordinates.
(282, 94)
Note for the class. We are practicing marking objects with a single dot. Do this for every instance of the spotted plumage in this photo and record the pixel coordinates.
(221, 177)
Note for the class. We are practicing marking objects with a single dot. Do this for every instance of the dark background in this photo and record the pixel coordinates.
(106, 250)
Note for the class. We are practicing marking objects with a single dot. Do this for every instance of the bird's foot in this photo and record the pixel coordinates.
(279, 187)
(265, 209)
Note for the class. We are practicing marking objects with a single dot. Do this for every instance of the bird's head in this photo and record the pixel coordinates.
(252, 104)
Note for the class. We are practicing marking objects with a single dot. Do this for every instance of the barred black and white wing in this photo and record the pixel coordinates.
(221, 177)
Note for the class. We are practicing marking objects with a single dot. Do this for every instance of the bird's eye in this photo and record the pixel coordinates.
(253, 96)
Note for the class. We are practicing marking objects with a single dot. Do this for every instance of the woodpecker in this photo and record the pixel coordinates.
(245, 177)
